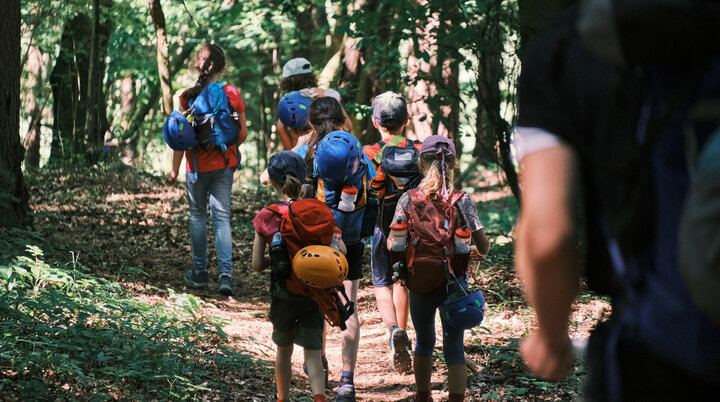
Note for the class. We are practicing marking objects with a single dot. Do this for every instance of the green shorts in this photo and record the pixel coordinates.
(295, 321)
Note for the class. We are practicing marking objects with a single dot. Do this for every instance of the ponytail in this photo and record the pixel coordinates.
(325, 115)
(292, 187)
(210, 60)
(432, 181)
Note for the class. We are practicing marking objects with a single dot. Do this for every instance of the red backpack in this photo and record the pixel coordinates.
(430, 254)
(308, 222)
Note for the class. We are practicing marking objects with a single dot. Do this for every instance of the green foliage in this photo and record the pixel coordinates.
(67, 335)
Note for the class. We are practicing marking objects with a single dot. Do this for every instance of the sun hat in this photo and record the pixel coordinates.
(296, 66)
(286, 163)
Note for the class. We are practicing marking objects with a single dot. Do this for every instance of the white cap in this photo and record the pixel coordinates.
(296, 66)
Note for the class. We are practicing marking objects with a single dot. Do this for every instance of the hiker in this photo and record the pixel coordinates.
(295, 317)
(297, 75)
(342, 176)
(607, 127)
(212, 176)
(427, 283)
(390, 116)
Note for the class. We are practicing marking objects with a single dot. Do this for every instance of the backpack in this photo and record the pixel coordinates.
(431, 252)
(215, 121)
(306, 222)
(399, 164)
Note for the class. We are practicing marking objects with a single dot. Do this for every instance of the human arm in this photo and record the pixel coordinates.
(260, 261)
(546, 257)
(481, 242)
(172, 175)
(243, 133)
(285, 137)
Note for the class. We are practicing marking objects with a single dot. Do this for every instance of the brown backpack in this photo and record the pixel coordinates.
(431, 227)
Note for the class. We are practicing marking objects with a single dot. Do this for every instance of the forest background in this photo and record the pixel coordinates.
(89, 84)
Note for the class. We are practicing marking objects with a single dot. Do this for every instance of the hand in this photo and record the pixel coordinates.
(475, 254)
(547, 359)
(171, 176)
(399, 271)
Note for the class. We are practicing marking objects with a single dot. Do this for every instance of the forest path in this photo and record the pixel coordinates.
(133, 229)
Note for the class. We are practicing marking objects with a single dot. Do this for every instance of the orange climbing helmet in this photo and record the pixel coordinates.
(320, 267)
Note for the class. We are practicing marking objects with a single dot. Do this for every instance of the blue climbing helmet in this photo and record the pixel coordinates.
(464, 312)
(293, 110)
(178, 132)
(338, 157)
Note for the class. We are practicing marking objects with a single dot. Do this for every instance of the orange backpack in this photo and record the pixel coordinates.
(306, 222)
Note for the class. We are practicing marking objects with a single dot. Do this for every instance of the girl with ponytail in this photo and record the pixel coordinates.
(436, 163)
(213, 180)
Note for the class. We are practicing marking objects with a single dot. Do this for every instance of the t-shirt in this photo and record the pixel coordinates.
(312, 93)
(214, 160)
(465, 205)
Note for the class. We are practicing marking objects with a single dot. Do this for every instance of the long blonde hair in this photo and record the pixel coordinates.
(432, 182)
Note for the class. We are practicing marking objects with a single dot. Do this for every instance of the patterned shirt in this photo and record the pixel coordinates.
(464, 204)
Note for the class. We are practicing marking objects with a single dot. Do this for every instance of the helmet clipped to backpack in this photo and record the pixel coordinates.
(463, 310)
(178, 132)
(338, 157)
(293, 110)
(321, 267)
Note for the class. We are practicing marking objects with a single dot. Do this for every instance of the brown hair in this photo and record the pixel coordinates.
(432, 181)
(325, 115)
(292, 188)
(298, 82)
(209, 60)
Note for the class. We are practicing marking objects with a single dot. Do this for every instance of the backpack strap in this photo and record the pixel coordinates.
(279, 208)
(394, 141)
(195, 172)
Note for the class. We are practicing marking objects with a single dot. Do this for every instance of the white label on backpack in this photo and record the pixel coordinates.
(446, 225)
(403, 157)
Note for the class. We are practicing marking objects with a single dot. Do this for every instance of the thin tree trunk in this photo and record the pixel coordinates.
(158, 19)
(420, 74)
(34, 83)
(13, 194)
(96, 122)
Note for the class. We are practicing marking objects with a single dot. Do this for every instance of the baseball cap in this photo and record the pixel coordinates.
(296, 66)
(293, 110)
(389, 110)
(438, 145)
(286, 163)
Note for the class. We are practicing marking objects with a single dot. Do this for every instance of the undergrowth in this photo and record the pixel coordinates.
(67, 335)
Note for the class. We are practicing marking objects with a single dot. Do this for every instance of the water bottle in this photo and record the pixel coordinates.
(462, 241)
(281, 265)
(337, 236)
(398, 236)
(347, 199)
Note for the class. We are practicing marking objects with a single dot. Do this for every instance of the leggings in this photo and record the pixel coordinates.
(422, 312)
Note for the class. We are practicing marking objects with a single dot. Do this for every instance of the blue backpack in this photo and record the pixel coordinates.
(215, 121)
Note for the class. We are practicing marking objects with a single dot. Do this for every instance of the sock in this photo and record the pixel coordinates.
(392, 328)
(319, 398)
(346, 377)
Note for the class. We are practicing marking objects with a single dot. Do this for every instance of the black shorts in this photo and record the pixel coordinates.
(354, 258)
(298, 322)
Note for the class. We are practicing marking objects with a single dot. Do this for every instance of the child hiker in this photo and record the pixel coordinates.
(435, 193)
(390, 116)
(295, 318)
(297, 75)
(213, 179)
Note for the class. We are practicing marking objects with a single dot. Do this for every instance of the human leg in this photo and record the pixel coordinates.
(351, 336)
(197, 193)
(283, 371)
(220, 189)
(400, 300)
(422, 312)
(316, 373)
(382, 279)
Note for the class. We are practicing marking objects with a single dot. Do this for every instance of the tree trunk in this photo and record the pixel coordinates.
(96, 122)
(158, 19)
(13, 194)
(69, 82)
(420, 71)
(533, 15)
(34, 83)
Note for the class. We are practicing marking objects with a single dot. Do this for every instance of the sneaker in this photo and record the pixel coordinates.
(325, 366)
(225, 285)
(196, 280)
(345, 392)
(399, 346)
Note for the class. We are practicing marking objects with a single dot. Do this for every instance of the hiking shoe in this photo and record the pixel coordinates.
(196, 280)
(399, 346)
(225, 285)
(345, 392)
(325, 366)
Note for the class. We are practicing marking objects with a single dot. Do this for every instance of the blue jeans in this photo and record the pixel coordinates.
(422, 312)
(218, 185)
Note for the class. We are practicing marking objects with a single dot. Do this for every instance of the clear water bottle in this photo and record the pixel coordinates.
(347, 199)
(337, 236)
(398, 236)
(462, 241)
